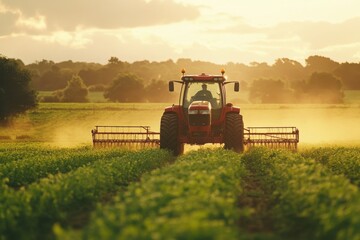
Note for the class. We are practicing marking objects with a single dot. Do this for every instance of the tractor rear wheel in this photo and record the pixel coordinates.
(234, 132)
(169, 134)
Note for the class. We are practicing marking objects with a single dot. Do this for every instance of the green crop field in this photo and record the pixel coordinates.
(54, 185)
(84, 193)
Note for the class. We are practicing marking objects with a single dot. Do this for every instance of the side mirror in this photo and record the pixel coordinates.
(171, 86)
(236, 86)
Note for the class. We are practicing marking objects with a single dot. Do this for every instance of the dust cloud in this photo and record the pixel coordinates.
(73, 133)
(318, 124)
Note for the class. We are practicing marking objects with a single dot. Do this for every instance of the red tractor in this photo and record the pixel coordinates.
(202, 115)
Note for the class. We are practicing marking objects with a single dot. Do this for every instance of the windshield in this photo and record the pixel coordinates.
(202, 91)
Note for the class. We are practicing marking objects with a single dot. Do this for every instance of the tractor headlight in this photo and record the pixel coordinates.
(204, 111)
(193, 111)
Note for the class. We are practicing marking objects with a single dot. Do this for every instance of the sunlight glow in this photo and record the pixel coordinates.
(38, 22)
(73, 40)
(230, 30)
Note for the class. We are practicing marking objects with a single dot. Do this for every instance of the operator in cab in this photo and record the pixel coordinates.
(203, 94)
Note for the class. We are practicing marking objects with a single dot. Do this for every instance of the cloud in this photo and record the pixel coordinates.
(68, 15)
(312, 35)
(138, 33)
(98, 47)
(35, 23)
(8, 22)
(225, 23)
(319, 34)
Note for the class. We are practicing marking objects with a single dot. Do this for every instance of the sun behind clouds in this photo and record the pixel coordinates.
(230, 30)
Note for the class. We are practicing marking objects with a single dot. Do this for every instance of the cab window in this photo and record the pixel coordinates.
(202, 91)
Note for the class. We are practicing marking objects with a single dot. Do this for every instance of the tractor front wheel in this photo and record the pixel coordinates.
(234, 132)
(169, 134)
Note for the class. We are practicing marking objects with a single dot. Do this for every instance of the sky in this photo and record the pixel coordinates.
(218, 31)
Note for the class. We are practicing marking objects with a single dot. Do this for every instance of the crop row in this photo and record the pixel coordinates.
(17, 151)
(194, 198)
(34, 167)
(344, 161)
(30, 213)
(308, 201)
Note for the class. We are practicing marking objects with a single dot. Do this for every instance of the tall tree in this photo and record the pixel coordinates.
(16, 96)
(288, 70)
(126, 88)
(54, 79)
(75, 91)
(320, 64)
(158, 91)
(113, 60)
(269, 91)
(324, 88)
(349, 73)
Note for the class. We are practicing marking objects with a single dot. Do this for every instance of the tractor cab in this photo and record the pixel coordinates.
(208, 92)
(205, 88)
(203, 91)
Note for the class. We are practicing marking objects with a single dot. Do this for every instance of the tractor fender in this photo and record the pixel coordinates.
(229, 108)
(177, 109)
(173, 109)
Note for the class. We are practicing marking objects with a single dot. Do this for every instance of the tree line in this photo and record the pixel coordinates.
(320, 80)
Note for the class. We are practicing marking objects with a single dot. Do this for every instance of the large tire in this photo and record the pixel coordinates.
(169, 134)
(234, 132)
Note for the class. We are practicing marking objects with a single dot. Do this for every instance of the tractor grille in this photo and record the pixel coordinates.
(199, 134)
(199, 119)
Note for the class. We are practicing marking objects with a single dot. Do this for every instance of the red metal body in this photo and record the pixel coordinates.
(185, 130)
(212, 133)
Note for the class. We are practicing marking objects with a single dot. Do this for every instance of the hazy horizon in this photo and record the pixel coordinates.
(157, 30)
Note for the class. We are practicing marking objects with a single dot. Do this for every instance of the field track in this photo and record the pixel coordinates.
(48, 193)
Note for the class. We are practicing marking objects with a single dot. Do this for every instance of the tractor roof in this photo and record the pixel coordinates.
(203, 77)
